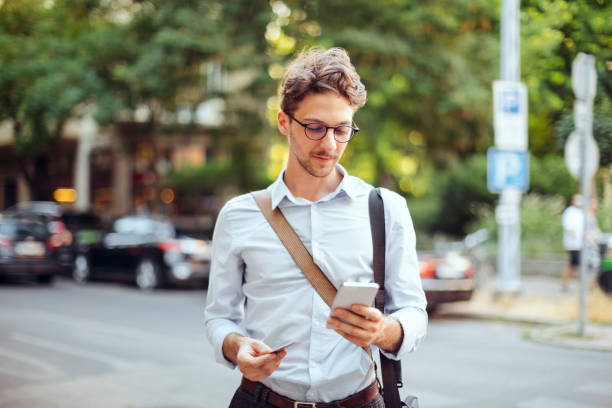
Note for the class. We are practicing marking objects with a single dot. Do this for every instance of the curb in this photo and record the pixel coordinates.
(540, 321)
(596, 337)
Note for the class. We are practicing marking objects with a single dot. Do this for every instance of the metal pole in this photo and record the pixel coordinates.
(584, 79)
(509, 232)
(585, 222)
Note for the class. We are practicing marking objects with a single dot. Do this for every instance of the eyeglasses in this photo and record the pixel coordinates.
(317, 131)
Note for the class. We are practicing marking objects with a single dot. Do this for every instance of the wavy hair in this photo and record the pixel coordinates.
(318, 71)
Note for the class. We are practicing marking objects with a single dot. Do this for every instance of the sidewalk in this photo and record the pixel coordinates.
(553, 312)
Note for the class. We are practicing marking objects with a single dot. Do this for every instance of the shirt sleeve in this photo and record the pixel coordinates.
(225, 299)
(405, 298)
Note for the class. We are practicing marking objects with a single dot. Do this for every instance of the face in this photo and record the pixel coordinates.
(317, 158)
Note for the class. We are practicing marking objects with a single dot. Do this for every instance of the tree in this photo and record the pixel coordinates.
(553, 32)
(46, 74)
(64, 58)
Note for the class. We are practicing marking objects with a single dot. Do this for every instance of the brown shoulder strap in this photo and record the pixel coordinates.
(295, 246)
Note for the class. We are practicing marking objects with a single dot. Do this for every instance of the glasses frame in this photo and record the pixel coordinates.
(354, 128)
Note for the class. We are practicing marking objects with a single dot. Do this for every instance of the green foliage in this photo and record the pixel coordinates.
(548, 175)
(541, 229)
(47, 73)
(465, 191)
(602, 133)
(198, 180)
(553, 32)
(604, 216)
(462, 195)
(428, 68)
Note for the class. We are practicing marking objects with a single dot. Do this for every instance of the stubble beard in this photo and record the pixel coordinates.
(307, 163)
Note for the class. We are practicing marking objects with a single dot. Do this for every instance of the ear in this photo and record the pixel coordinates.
(283, 122)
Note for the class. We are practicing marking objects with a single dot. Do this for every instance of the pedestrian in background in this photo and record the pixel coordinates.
(259, 297)
(572, 237)
(573, 227)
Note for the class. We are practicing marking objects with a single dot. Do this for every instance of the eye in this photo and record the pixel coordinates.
(343, 130)
(316, 127)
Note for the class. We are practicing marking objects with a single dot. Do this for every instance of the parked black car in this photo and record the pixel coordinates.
(50, 214)
(27, 249)
(145, 250)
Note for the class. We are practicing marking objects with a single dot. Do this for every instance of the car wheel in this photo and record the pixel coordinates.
(148, 274)
(81, 270)
(45, 279)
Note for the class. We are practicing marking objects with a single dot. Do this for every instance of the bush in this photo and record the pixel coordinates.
(463, 193)
(548, 175)
(541, 229)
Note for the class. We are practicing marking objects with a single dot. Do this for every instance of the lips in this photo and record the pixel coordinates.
(323, 157)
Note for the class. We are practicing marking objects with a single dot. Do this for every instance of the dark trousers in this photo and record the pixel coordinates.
(243, 399)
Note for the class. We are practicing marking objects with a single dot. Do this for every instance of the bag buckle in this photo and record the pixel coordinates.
(298, 404)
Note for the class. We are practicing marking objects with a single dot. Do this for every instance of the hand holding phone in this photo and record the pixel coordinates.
(362, 293)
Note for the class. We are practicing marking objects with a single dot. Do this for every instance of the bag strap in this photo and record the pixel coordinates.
(298, 251)
(390, 369)
(296, 247)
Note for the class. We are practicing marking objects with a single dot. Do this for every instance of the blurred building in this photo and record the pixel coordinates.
(121, 168)
(114, 170)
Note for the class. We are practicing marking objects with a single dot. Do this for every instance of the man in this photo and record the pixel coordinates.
(258, 298)
(572, 220)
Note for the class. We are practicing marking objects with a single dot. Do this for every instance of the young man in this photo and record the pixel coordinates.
(259, 299)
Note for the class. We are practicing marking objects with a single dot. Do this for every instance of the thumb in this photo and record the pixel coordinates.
(259, 347)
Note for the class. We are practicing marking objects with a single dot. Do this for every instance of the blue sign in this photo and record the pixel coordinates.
(507, 169)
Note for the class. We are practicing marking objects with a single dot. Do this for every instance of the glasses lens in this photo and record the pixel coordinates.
(315, 131)
(343, 133)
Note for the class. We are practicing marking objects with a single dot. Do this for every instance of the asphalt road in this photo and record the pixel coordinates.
(109, 345)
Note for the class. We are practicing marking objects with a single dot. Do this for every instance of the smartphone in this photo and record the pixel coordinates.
(362, 293)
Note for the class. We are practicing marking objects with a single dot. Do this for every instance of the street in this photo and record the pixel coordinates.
(111, 345)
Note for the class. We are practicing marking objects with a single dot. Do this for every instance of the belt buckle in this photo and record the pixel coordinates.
(298, 404)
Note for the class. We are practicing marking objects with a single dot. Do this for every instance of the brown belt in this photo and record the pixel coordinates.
(364, 396)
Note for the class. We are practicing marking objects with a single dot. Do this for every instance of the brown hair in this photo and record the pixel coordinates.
(318, 71)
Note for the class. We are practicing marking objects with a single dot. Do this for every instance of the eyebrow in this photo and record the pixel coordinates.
(315, 120)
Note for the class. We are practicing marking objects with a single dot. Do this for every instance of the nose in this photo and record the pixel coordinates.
(329, 141)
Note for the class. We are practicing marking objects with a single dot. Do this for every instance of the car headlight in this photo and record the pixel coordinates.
(172, 257)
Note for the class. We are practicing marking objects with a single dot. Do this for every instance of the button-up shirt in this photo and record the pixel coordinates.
(257, 290)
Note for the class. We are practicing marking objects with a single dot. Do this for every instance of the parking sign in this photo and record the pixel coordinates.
(507, 169)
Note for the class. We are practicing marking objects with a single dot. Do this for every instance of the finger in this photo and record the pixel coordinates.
(260, 348)
(355, 340)
(354, 319)
(249, 360)
(370, 313)
(264, 370)
(260, 371)
(351, 329)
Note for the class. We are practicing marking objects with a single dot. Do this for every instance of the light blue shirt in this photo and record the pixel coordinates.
(257, 290)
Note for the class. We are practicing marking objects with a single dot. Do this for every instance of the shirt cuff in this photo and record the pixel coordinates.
(414, 327)
(218, 330)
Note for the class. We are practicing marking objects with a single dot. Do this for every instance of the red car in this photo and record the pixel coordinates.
(448, 274)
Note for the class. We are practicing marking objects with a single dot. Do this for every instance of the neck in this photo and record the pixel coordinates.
(303, 185)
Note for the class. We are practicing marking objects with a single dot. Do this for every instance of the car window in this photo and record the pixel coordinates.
(18, 230)
(82, 221)
(139, 225)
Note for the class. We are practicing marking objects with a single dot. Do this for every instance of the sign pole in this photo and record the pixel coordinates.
(509, 256)
(584, 82)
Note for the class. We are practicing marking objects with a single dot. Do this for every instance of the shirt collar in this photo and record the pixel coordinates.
(279, 190)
